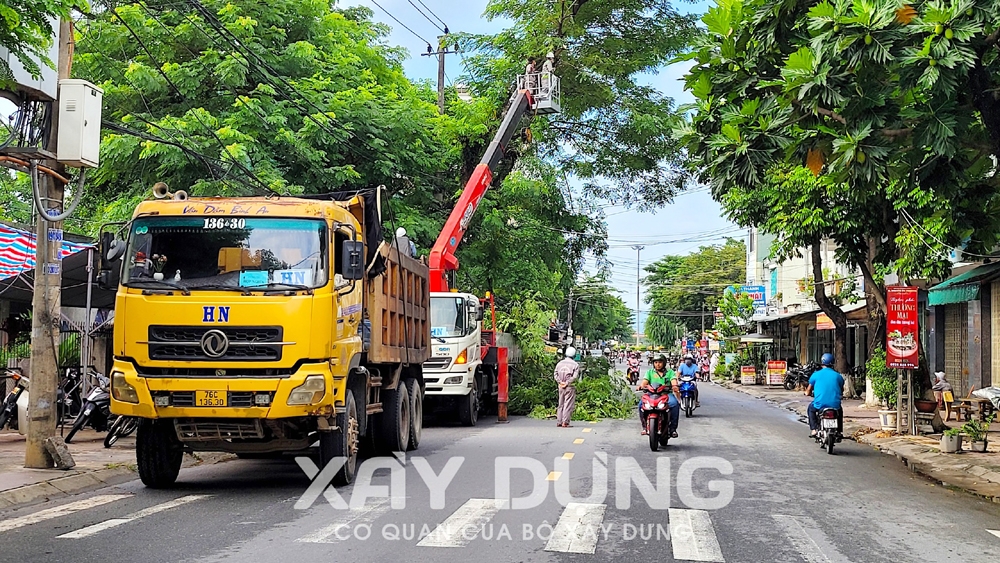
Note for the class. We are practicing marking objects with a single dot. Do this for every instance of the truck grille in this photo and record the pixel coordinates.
(255, 343)
(439, 362)
(209, 430)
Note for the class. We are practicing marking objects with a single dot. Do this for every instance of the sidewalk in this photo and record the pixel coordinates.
(96, 467)
(976, 473)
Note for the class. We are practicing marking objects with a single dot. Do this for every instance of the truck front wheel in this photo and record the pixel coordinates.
(395, 420)
(342, 442)
(468, 409)
(416, 412)
(158, 453)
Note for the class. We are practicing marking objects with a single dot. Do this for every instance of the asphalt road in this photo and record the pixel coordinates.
(790, 502)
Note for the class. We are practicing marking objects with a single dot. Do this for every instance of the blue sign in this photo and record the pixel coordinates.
(756, 292)
(690, 344)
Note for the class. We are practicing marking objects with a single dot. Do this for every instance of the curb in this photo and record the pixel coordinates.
(90, 480)
(65, 486)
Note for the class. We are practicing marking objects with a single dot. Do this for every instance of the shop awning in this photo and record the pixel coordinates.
(963, 287)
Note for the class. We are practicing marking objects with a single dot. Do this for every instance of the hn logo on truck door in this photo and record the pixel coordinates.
(210, 316)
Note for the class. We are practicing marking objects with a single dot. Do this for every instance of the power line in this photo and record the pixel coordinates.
(443, 30)
(433, 14)
(401, 23)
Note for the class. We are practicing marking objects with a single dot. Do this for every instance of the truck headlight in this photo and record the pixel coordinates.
(311, 391)
(121, 390)
(453, 380)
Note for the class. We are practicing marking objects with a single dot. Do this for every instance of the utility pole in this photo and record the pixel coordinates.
(569, 319)
(702, 321)
(638, 249)
(441, 52)
(47, 297)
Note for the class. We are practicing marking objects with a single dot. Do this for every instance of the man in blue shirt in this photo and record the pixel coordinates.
(827, 388)
(690, 369)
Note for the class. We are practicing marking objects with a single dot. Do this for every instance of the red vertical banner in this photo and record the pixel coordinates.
(902, 333)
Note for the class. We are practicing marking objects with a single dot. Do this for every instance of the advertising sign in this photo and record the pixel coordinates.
(748, 375)
(823, 322)
(690, 344)
(776, 372)
(901, 331)
(713, 345)
(756, 292)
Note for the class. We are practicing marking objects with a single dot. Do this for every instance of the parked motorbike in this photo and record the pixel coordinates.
(798, 376)
(688, 388)
(96, 409)
(68, 396)
(828, 433)
(121, 427)
(16, 399)
(655, 404)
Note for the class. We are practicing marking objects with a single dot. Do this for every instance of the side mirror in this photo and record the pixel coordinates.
(110, 250)
(105, 280)
(480, 312)
(352, 260)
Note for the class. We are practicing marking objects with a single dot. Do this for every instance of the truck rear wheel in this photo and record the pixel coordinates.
(158, 453)
(394, 431)
(468, 409)
(416, 412)
(342, 442)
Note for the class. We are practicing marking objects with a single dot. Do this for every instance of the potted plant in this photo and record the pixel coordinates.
(976, 430)
(951, 441)
(883, 387)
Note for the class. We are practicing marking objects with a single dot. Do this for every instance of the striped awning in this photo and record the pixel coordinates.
(963, 287)
(17, 251)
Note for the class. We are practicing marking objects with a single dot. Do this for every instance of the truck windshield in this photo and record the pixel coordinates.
(214, 253)
(447, 316)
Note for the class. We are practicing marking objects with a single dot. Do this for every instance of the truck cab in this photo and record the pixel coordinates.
(454, 375)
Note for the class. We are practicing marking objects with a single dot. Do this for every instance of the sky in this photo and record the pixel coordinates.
(693, 217)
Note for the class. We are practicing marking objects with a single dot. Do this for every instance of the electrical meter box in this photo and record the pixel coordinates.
(79, 123)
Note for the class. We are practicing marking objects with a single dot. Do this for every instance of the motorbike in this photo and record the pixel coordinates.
(798, 376)
(68, 399)
(120, 428)
(15, 400)
(688, 387)
(96, 409)
(655, 404)
(828, 434)
(633, 373)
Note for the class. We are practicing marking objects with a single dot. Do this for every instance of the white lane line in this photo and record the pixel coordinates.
(692, 536)
(577, 529)
(113, 522)
(464, 524)
(364, 515)
(50, 513)
(811, 543)
(994, 532)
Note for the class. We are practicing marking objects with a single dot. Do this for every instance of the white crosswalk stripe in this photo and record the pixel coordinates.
(578, 528)
(114, 522)
(692, 536)
(994, 532)
(364, 515)
(464, 524)
(811, 543)
(50, 513)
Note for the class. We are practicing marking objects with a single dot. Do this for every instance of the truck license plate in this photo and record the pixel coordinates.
(210, 398)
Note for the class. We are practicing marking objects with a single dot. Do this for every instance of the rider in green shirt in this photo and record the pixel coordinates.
(661, 375)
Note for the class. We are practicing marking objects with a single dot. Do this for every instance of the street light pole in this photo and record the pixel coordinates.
(638, 248)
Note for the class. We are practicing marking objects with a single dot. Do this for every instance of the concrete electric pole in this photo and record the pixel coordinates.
(638, 249)
(441, 52)
(47, 297)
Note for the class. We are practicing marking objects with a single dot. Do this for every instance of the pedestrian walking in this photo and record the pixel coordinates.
(940, 387)
(567, 372)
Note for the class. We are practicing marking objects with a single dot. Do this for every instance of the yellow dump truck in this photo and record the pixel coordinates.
(262, 326)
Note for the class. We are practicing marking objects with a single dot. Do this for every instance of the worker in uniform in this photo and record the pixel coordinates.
(547, 75)
(566, 374)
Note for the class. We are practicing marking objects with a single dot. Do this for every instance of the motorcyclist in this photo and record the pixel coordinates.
(690, 369)
(654, 378)
(827, 388)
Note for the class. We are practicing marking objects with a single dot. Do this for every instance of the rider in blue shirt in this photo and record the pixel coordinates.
(827, 388)
(690, 369)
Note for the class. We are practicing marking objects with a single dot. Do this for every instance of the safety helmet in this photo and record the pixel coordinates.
(688, 357)
(570, 352)
(550, 55)
(827, 359)
(660, 358)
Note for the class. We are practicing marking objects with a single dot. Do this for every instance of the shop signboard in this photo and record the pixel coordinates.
(901, 334)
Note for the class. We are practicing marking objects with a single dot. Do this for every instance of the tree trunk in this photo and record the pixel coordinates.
(837, 315)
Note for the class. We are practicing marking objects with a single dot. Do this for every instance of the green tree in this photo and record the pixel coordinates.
(737, 310)
(613, 133)
(27, 32)
(890, 107)
(598, 313)
(683, 285)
